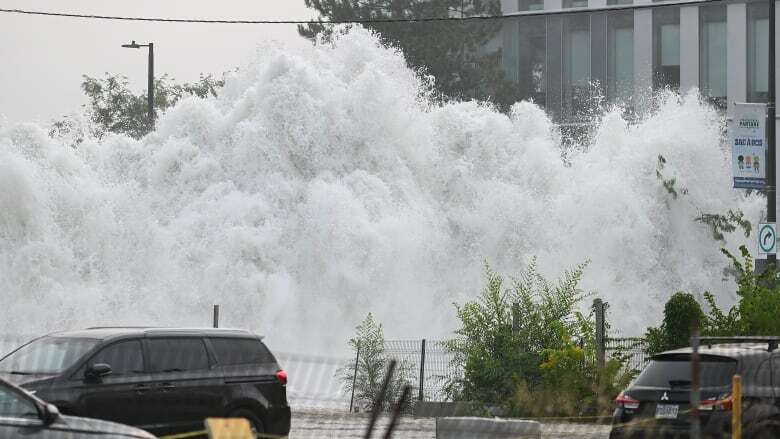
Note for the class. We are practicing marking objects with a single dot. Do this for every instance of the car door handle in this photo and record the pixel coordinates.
(142, 388)
(166, 387)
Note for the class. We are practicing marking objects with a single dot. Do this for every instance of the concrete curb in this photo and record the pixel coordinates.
(487, 428)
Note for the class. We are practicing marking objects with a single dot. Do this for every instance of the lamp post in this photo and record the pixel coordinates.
(150, 97)
(771, 177)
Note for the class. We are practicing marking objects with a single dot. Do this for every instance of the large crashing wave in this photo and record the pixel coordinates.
(326, 184)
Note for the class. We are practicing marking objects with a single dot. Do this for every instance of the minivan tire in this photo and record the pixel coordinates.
(254, 420)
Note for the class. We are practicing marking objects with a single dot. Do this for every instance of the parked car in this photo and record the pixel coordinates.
(24, 415)
(165, 381)
(657, 404)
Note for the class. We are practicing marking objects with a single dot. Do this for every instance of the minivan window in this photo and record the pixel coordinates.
(125, 358)
(675, 371)
(177, 354)
(47, 355)
(233, 351)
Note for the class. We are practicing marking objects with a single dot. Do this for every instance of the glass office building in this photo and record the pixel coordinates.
(564, 61)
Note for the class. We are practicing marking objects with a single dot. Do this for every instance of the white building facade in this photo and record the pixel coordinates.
(584, 48)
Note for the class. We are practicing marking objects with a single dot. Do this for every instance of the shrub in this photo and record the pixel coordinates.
(546, 365)
(372, 367)
(756, 312)
(681, 312)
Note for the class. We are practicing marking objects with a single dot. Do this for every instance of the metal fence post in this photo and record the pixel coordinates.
(598, 306)
(695, 390)
(354, 377)
(422, 371)
(216, 316)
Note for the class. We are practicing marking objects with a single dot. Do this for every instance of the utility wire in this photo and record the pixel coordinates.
(210, 21)
(657, 4)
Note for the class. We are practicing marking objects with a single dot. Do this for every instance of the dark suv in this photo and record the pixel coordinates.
(162, 380)
(658, 402)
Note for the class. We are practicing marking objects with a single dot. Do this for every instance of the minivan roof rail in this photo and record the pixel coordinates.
(771, 340)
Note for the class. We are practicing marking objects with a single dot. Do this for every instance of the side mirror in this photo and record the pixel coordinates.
(98, 370)
(50, 413)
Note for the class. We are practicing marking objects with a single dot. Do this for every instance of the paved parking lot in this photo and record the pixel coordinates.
(329, 424)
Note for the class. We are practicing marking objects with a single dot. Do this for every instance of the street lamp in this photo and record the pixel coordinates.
(771, 176)
(150, 97)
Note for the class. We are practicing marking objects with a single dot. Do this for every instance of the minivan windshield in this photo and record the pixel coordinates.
(47, 355)
(675, 371)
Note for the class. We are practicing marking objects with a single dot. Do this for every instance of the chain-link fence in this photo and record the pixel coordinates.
(430, 357)
(630, 349)
(438, 368)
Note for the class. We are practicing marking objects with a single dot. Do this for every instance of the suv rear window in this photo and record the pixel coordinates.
(177, 354)
(675, 371)
(232, 351)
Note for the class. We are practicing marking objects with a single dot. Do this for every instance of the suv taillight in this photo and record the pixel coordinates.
(627, 402)
(722, 402)
(282, 377)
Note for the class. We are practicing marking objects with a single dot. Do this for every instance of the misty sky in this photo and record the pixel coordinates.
(42, 58)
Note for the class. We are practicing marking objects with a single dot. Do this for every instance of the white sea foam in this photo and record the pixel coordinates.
(325, 184)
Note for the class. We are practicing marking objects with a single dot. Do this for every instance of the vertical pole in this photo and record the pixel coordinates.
(515, 318)
(771, 191)
(598, 306)
(736, 408)
(601, 354)
(422, 371)
(354, 377)
(380, 399)
(150, 93)
(216, 316)
(695, 391)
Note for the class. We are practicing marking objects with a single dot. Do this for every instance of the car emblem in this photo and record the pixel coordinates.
(665, 397)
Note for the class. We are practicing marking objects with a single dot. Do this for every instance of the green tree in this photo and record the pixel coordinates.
(372, 367)
(113, 108)
(453, 52)
(681, 312)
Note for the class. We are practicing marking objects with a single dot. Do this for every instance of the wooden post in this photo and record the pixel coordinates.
(736, 408)
(216, 316)
(598, 307)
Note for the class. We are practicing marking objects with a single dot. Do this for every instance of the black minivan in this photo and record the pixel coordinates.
(163, 380)
(658, 403)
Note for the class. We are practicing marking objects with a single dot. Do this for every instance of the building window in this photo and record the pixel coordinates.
(620, 56)
(666, 48)
(532, 50)
(530, 5)
(713, 42)
(619, 2)
(575, 4)
(576, 73)
(758, 51)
